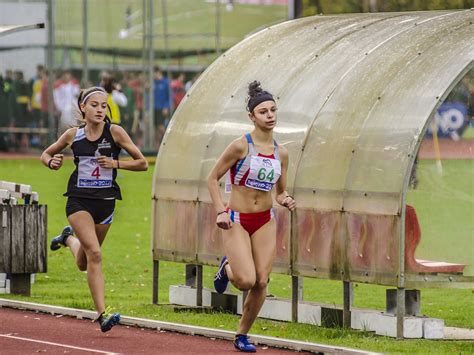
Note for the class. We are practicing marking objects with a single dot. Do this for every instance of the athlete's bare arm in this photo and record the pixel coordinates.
(51, 157)
(235, 151)
(121, 138)
(282, 196)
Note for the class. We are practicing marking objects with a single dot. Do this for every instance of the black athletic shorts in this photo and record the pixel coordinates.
(102, 211)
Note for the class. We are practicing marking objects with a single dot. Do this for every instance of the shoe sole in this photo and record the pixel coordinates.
(55, 245)
(222, 266)
(245, 351)
(114, 320)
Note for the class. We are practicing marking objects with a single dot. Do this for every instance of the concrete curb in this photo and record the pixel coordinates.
(185, 329)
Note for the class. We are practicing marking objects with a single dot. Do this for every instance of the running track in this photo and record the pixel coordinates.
(28, 332)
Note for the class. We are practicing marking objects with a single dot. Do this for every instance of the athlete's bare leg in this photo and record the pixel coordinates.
(85, 230)
(240, 270)
(76, 249)
(263, 251)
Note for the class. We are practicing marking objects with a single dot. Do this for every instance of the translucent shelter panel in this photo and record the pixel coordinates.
(391, 130)
(239, 66)
(282, 259)
(347, 246)
(210, 246)
(244, 63)
(342, 100)
(318, 248)
(444, 205)
(183, 148)
(175, 231)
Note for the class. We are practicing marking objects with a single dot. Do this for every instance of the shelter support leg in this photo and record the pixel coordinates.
(20, 284)
(296, 296)
(194, 280)
(348, 299)
(156, 273)
(190, 275)
(400, 311)
(199, 285)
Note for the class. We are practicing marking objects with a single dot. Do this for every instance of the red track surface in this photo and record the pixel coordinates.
(29, 332)
(449, 149)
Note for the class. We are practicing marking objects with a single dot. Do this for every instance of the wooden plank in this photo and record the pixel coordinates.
(5, 240)
(42, 238)
(18, 239)
(31, 236)
(14, 187)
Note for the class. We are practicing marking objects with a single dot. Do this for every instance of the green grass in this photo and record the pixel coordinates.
(127, 266)
(185, 17)
(191, 24)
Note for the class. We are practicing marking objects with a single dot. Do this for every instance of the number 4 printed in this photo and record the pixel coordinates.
(96, 173)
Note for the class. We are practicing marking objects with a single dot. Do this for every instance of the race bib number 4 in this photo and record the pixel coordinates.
(91, 175)
(264, 173)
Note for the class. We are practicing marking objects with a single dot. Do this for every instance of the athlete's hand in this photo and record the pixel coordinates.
(289, 202)
(56, 161)
(105, 162)
(223, 221)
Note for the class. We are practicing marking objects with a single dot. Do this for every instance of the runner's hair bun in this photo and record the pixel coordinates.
(255, 88)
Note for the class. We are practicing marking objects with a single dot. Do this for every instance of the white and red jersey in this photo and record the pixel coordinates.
(255, 170)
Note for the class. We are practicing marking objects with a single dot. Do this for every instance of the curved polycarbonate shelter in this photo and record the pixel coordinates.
(355, 94)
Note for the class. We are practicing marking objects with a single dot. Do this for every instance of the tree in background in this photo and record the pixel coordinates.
(313, 7)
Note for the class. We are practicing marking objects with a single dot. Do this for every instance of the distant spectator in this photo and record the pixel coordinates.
(44, 99)
(137, 84)
(44, 120)
(65, 93)
(22, 94)
(36, 83)
(177, 88)
(4, 114)
(127, 111)
(162, 105)
(9, 95)
(116, 97)
(8, 105)
(21, 114)
(4, 119)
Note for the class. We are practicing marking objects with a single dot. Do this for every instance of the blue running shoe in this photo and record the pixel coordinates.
(241, 343)
(220, 279)
(108, 319)
(56, 242)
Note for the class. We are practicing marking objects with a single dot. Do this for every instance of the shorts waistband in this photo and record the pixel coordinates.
(237, 216)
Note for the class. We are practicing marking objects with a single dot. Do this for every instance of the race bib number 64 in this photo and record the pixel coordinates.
(264, 173)
(91, 175)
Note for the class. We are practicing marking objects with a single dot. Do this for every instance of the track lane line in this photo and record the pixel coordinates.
(56, 344)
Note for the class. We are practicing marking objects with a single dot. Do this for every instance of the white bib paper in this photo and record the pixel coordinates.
(91, 175)
(264, 173)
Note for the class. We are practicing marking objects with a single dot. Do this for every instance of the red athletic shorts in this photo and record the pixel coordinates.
(251, 222)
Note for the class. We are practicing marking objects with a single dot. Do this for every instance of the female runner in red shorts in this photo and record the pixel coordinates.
(255, 163)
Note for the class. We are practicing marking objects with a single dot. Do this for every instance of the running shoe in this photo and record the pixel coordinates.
(241, 343)
(108, 319)
(220, 279)
(56, 242)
